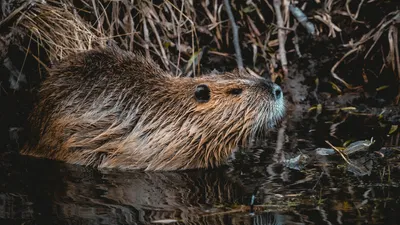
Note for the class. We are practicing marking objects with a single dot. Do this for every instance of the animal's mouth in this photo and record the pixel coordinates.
(279, 111)
(269, 116)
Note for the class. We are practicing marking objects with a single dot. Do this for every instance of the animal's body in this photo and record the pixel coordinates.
(114, 109)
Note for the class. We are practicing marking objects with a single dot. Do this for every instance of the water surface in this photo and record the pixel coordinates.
(323, 191)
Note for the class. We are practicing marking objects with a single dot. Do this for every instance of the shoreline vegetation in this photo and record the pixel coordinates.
(328, 55)
(189, 37)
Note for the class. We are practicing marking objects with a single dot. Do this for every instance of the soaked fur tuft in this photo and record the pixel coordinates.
(114, 109)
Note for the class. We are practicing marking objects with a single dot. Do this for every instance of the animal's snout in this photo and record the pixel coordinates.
(273, 89)
(277, 92)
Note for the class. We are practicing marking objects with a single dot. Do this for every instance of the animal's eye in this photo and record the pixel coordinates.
(235, 91)
(202, 93)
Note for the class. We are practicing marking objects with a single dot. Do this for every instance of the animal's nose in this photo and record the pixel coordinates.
(273, 89)
(276, 92)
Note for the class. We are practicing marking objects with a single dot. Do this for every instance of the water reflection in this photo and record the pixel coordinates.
(36, 191)
(40, 190)
(43, 192)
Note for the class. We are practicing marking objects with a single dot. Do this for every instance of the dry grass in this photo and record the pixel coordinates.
(176, 32)
(60, 30)
(169, 31)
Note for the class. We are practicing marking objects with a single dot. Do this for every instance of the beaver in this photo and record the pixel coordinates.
(111, 108)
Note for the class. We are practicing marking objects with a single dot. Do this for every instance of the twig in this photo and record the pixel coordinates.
(235, 31)
(354, 17)
(394, 56)
(343, 155)
(337, 64)
(394, 49)
(296, 40)
(327, 20)
(281, 36)
(380, 31)
(146, 38)
(158, 38)
(179, 37)
(96, 13)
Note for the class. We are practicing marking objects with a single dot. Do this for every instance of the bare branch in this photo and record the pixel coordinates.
(281, 36)
(235, 31)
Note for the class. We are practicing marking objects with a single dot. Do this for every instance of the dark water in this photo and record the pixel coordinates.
(325, 191)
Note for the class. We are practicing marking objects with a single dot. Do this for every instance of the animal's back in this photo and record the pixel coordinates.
(85, 100)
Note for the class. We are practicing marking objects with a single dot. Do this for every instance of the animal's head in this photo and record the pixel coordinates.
(199, 121)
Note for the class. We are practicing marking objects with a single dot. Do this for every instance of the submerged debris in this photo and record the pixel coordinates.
(358, 146)
(359, 166)
(325, 151)
(354, 147)
(298, 162)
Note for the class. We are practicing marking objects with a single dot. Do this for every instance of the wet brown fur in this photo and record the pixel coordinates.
(115, 109)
